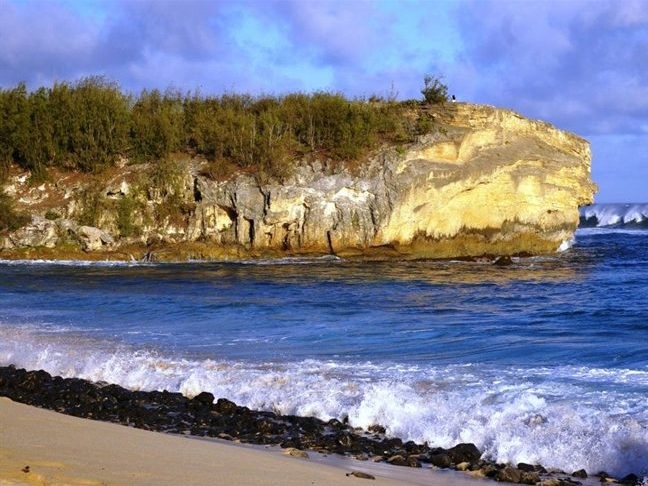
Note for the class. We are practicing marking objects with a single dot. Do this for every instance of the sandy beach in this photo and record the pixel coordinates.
(65, 450)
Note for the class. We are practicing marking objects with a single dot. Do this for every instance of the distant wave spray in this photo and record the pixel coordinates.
(614, 216)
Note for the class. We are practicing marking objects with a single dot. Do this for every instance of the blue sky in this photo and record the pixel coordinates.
(580, 64)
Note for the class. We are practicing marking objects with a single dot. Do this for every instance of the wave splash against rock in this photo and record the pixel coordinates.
(172, 412)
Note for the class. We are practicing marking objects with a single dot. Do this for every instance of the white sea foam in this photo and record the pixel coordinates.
(611, 231)
(616, 214)
(566, 245)
(563, 417)
(291, 260)
(76, 263)
(124, 263)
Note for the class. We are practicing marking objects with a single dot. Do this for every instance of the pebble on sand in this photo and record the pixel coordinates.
(360, 474)
(291, 451)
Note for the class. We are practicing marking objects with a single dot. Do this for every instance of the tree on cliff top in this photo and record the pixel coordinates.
(434, 91)
(90, 125)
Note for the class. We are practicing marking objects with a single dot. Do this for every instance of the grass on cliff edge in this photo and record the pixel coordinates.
(91, 124)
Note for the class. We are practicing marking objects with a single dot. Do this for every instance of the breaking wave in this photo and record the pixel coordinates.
(566, 417)
(628, 216)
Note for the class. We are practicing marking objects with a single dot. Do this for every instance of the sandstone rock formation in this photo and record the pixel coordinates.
(484, 181)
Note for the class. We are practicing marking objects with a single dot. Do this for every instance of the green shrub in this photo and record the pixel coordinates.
(10, 219)
(167, 177)
(125, 208)
(82, 126)
(52, 215)
(24, 119)
(434, 91)
(4, 170)
(93, 203)
(156, 125)
(218, 169)
(166, 182)
(424, 124)
(90, 124)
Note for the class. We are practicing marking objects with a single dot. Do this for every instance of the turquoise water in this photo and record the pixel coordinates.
(542, 361)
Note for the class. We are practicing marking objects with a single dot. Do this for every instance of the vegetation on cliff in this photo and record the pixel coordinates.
(10, 219)
(91, 124)
(480, 181)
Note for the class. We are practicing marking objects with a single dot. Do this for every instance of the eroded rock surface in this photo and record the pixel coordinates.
(485, 181)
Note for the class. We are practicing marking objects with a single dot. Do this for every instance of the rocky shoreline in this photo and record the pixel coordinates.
(203, 416)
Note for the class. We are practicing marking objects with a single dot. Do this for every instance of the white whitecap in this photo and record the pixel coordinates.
(566, 245)
(605, 215)
(563, 417)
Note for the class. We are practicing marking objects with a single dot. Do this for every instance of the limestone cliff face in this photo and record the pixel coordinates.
(484, 181)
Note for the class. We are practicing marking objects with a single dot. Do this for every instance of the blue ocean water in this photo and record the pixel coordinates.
(544, 361)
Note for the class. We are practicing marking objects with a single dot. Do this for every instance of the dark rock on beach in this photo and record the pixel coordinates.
(509, 474)
(397, 460)
(557, 482)
(378, 429)
(464, 453)
(204, 398)
(226, 407)
(581, 473)
(503, 261)
(361, 475)
(530, 477)
(441, 460)
(206, 416)
(489, 470)
(631, 479)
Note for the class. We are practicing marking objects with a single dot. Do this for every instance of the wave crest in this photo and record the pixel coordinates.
(564, 417)
(614, 216)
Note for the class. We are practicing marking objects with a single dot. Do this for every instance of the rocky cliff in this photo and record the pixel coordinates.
(483, 181)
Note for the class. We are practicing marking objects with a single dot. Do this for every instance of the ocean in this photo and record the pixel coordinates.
(543, 361)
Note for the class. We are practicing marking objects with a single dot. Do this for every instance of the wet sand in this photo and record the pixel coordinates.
(64, 450)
